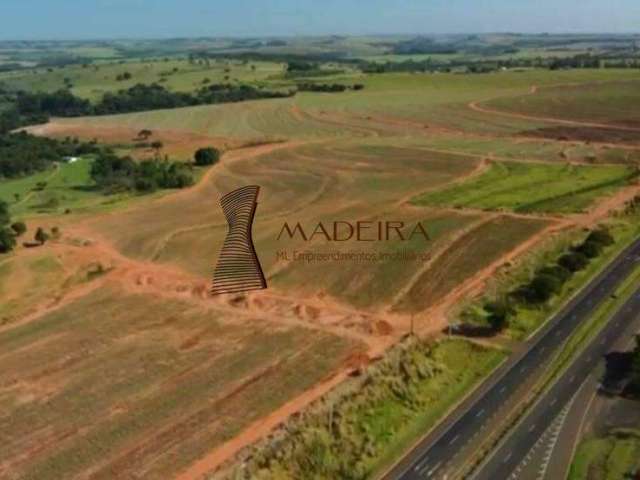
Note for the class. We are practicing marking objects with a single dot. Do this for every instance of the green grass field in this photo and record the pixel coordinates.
(68, 185)
(532, 187)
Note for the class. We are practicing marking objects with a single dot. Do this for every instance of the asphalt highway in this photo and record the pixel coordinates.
(505, 460)
(432, 457)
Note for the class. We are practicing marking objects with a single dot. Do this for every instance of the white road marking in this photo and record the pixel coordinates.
(421, 463)
(433, 470)
(453, 440)
(480, 413)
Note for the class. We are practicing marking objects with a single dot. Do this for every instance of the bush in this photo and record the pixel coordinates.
(19, 228)
(557, 271)
(499, 312)
(41, 236)
(589, 249)
(544, 286)
(601, 237)
(206, 156)
(7, 240)
(574, 261)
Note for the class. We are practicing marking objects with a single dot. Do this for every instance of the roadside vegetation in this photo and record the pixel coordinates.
(360, 432)
(614, 456)
(522, 300)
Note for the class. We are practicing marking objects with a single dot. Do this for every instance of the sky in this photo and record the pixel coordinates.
(88, 19)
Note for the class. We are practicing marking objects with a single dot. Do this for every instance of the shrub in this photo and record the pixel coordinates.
(19, 228)
(573, 261)
(601, 237)
(589, 249)
(206, 156)
(499, 312)
(7, 240)
(41, 236)
(557, 271)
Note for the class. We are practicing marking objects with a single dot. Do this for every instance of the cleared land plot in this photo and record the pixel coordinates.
(423, 99)
(370, 283)
(443, 99)
(40, 277)
(310, 184)
(465, 257)
(296, 184)
(532, 187)
(104, 389)
(612, 103)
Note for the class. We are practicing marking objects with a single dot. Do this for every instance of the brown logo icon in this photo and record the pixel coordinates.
(238, 268)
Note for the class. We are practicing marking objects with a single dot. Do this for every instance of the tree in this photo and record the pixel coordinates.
(19, 228)
(7, 240)
(157, 146)
(144, 133)
(499, 313)
(590, 248)
(41, 236)
(635, 367)
(4, 213)
(206, 156)
(573, 261)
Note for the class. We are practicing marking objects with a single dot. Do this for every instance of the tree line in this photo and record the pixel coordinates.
(36, 107)
(328, 87)
(549, 280)
(24, 154)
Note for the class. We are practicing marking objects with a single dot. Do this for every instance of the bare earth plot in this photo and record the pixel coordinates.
(103, 389)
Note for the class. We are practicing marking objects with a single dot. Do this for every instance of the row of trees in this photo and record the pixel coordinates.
(328, 87)
(36, 107)
(548, 281)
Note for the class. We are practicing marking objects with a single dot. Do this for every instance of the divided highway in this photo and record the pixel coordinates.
(506, 459)
(432, 457)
